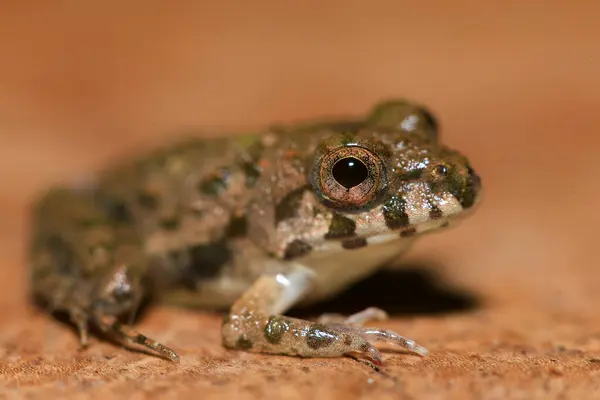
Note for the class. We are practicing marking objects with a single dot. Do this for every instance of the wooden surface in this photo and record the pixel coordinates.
(513, 313)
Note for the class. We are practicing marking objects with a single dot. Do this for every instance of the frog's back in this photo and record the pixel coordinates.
(186, 193)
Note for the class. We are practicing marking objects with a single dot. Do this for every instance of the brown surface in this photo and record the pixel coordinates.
(515, 85)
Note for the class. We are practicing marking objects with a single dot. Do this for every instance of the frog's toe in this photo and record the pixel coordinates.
(376, 335)
(355, 324)
(359, 319)
(366, 349)
(385, 336)
(80, 318)
(127, 335)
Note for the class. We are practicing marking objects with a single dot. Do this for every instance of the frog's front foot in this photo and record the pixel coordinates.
(355, 324)
(256, 324)
(277, 334)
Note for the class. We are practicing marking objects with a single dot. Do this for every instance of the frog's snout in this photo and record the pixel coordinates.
(472, 192)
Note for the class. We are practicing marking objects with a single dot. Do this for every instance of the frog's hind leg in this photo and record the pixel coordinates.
(89, 266)
(255, 323)
(80, 320)
(55, 290)
(65, 301)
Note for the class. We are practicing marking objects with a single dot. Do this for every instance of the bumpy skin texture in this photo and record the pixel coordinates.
(257, 223)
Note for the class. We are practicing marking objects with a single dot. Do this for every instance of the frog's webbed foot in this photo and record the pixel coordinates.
(255, 324)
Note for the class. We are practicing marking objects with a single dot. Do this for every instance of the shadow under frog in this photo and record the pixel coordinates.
(413, 289)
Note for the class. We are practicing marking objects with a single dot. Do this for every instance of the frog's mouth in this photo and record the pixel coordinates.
(471, 193)
(428, 208)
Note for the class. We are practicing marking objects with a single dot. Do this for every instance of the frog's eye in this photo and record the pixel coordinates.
(350, 177)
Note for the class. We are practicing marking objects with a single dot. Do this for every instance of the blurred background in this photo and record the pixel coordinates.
(515, 85)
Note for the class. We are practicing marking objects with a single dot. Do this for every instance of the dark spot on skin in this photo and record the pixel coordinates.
(200, 262)
(445, 224)
(140, 339)
(289, 205)
(212, 187)
(170, 223)
(394, 213)
(238, 227)
(465, 190)
(62, 255)
(209, 258)
(340, 227)
(296, 248)
(408, 232)
(347, 340)
(354, 243)
(412, 174)
(365, 347)
(147, 200)
(216, 183)
(472, 188)
(243, 343)
(435, 213)
(275, 329)
(88, 223)
(319, 336)
(118, 212)
(252, 173)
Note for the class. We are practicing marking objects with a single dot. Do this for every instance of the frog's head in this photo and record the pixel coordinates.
(357, 183)
(392, 176)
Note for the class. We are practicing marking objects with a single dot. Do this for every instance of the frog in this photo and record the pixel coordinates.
(254, 224)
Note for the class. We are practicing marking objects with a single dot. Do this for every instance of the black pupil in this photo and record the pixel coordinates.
(350, 172)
